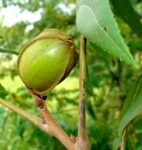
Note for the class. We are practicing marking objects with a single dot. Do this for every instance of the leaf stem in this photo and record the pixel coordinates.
(123, 140)
(82, 117)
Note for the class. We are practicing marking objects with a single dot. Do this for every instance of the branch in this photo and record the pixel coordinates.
(35, 120)
(82, 139)
(53, 126)
(23, 113)
(8, 51)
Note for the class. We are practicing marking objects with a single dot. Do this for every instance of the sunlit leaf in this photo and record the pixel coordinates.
(95, 21)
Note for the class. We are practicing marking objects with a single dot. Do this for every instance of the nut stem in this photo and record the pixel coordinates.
(54, 128)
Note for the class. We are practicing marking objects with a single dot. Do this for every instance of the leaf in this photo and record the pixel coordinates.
(95, 132)
(3, 115)
(90, 109)
(116, 143)
(89, 88)
(132, 106)
(124, 9)
(95, 21)
(3, 92)
(91, 81)
(107, 58)
(138, 126)
(129, 144)
(93, 78)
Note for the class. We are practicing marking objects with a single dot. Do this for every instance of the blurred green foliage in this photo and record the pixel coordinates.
(108, 82)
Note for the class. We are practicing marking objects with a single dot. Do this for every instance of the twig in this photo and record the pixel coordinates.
(35, 120)
(53, 127)
(26, 115)
(48, 124)
(82, 139)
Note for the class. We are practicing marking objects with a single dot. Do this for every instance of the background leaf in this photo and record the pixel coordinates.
(102, 53)
(124, 9)
(95, 21)
(3, 92)
(116, 143)
(132, 106)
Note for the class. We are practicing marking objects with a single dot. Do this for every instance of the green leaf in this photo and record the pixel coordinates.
(91, 81)
(95, 21)
(3, 115)
(124, 9)
(3, 92)
(107, 58)
(138, 126)
(92, 76)
(132, 106)
(95, 132)
(3, 50)
(116, 143)
(89, 88)
(128, 144)
(90, 109)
